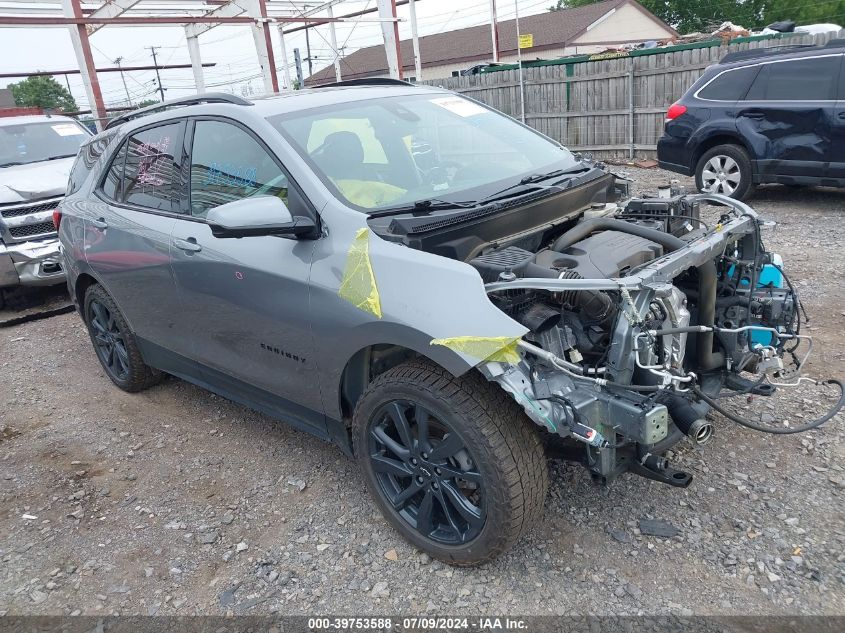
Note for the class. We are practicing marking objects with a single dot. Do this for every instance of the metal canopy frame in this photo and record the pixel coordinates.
(83, 18)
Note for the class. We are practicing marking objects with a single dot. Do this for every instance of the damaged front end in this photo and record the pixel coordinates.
(637, 322)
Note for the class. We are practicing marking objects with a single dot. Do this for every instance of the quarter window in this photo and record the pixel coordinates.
(228, 164)
(113, 183)
(87, 157)
(811, 79)
(730, 85)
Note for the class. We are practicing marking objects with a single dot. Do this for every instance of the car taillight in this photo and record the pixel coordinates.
(675, 110)
(57, 218)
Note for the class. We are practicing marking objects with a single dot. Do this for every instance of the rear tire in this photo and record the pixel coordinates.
(115, 345)
(724, 169)
(453, 463)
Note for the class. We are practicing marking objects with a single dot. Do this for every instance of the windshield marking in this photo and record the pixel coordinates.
(461, 107)
(67, 129)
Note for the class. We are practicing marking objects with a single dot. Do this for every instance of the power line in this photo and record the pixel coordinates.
(442, 24)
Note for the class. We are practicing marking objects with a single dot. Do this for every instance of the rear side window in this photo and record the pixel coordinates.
(731, 85)
(150, 173)
(811, 79)
(143, 171)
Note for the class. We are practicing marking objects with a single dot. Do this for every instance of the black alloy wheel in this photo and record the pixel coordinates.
(108, 341)
(427, 473)
(115, 344)
(453, 462)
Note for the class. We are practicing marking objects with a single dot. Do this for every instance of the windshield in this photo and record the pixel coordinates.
(397, 151)
(25, 143)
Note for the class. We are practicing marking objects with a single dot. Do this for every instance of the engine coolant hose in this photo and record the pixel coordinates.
(776, 430)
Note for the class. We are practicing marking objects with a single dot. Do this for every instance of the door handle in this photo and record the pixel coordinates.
(189, 245)
(841, 114)
(752, 114)
(100, 223)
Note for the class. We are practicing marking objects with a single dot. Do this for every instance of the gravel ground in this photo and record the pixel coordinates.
(25, 304)
(175, 501)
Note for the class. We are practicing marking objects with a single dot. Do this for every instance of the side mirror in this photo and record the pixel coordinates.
(262, 215)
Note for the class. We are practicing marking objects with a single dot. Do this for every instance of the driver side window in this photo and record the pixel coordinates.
(228, 164)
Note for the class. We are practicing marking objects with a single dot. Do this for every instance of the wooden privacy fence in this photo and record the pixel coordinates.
(612, 107)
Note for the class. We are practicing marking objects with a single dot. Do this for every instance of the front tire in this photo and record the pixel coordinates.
(724, 169)
(453, 463)
(115, 345)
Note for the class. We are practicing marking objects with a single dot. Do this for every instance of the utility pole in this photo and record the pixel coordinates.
(158, 77)
(300, 80)
(123, 79)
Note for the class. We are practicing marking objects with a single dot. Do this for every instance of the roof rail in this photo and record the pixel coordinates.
(367, 81)
(208, 97)
(768, 51)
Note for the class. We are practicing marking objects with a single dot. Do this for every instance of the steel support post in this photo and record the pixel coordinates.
(82, 49)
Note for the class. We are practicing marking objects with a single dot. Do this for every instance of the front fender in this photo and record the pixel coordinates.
(421, 297)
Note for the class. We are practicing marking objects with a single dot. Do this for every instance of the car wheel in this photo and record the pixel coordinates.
(114, 343)
(453, 463)
(724, 169)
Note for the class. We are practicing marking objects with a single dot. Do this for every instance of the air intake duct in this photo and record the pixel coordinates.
(593, 304)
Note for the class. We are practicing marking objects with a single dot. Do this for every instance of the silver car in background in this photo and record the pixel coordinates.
(36, 156)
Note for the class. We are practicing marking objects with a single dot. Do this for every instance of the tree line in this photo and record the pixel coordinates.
(689, 16)
(43, 91)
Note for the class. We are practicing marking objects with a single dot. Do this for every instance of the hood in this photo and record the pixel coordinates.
(464, 233)
(23, 183)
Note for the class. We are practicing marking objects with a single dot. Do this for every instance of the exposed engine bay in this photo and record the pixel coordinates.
(640, 318)
(645, 318)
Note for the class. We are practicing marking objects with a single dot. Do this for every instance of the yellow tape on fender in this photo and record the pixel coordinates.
(358, 285)
(501, 349)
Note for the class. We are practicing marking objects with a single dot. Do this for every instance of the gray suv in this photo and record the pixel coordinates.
(428, 284)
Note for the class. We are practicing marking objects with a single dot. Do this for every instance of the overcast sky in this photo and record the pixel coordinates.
(231, 47)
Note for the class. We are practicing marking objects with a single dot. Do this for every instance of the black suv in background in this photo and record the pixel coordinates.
(761, 116)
